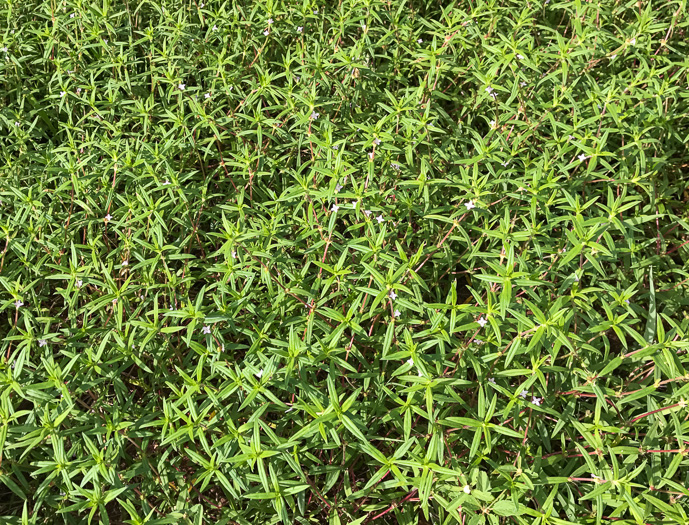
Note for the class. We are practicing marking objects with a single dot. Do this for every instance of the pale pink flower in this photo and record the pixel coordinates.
(392, 295)
(380, 219)
(206, 329)
(470, 205)
(42, 342)
(537, 401)
(335, 208)
(482, 321)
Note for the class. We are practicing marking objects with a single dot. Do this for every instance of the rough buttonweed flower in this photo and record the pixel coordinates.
(259, 374)
(125, 263)
(376, 141)
(522, 84)
(493, 124)
(215, 28)
(491, 380)
(420, 40)
(523, 394)
(42, 342)
(338, 188)
(207, 95)
(335, 208)
(266, 32)
(206, 329)
(582, 157)
(4, 49)
(370, 156)
(395, 166)
(300, 29)
(62, 93)
(467, 489)
(632, 41)
(182, 87)
(80, 283)
(397, 313)
(166, 182)
(537, 401)
(482, 321)
(107, 218)
(315, 115)
(489, 90)
(520, 57)
(380, 219)
(368, 213)
(270, 21)
(234, 255)
(470, 205)
(392, 295)
(18, 304)
(410, 361)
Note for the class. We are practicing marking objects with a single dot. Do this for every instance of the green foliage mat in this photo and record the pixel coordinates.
(413, 262)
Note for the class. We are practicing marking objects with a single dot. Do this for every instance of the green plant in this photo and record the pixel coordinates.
(362, 262)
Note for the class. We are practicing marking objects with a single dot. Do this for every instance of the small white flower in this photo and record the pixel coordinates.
(315, 115)
(71, 15)
(80, 283)
(78, 90)
(489, 90)
(206, 329)
(201, 5)
(270, 21)
(259, 374)
(420, 373)
(234, 255)
(107, 218)
(182, 87)
(395, 166)
(266, 32)
(506, 163)
(482, 321)
(576, 278)
(334, 208)
(522, 84)
(523, 394)
(4, 49)
(354, 205)
(370, 156)
(367, 212)
(493, 124)
(62, 93)
(626, 301)
(410, 361)
(125, 263)
(420, 40)
(376, 142)
(42, 342)
(613, 57)
(494, 96)
(520, 57)
(300, 29)
(105, 40)
(632, 41)
(16, 123)
(397, 313)
(166, 182)
(582, 157)
(467, 489)
(215, 28)
(470, 205)
(18, 304)
(491, 380)
(537, 401)
(564, 250)
(380, 219)
(336, 147)
(570, 137)
(479, 342)
(207, 95)
(392, 295)
(338, 188)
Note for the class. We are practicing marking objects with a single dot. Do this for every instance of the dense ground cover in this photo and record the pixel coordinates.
(355, 262)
